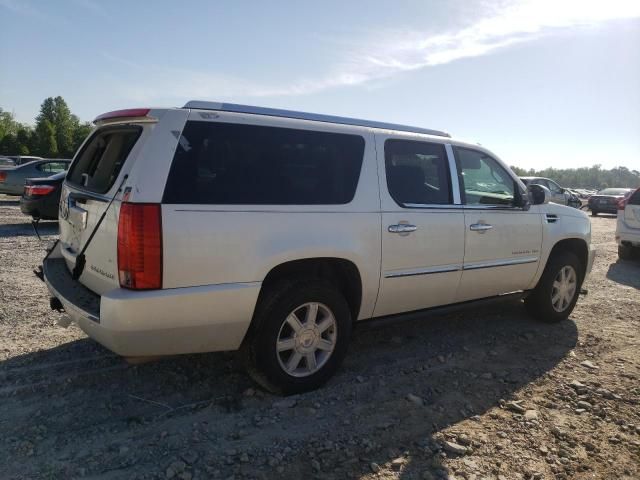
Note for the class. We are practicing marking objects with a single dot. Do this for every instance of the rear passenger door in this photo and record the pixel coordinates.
(503, 240)
(422, 225)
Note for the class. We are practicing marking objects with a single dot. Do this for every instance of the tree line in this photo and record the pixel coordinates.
(57, 132)
(586, 177)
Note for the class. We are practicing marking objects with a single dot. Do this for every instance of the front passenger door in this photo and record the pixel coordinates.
(502, 240)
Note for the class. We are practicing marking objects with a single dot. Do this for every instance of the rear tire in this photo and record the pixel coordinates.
(625, 252)
(594, 213)
(299, 336)
(558, 289)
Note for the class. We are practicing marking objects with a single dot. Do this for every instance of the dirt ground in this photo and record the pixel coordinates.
(484, 394)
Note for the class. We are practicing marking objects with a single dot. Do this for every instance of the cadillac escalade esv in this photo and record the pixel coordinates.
(228, 227)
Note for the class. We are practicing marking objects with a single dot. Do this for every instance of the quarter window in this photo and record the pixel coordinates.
(483, 180)
(53, 167)
(417, 172)
(223, 164)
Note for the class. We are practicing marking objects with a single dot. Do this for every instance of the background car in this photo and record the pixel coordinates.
(558, 194)
(606, 201)
(628, 226)
(41, 196)
(12, 179)
(574, 198)
(7, 162)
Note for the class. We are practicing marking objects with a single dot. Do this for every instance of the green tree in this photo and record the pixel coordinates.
(46, 144)
(56, 113)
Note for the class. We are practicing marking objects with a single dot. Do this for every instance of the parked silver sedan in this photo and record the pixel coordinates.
(12, 178)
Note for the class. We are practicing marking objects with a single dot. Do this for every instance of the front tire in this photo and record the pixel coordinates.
(299, 336)
(557, 292)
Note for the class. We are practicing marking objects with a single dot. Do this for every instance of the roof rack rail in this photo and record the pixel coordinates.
(317, 117)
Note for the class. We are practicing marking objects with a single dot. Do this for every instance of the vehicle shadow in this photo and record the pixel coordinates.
(457, 366)
(26, 229)
(4, 202)
(626, 272)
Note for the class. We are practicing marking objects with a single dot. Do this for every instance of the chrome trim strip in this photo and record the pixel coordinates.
(493, 207)
(453, 173)
(424, 271)
(316, 117)
(500, 263)
(432, 206)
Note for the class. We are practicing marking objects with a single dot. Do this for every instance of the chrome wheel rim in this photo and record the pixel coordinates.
(306, 339)
(564, 288)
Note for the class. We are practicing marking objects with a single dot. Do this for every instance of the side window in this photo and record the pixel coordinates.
(554, 187)
(57, 167)
(635, 198)
(483, 180)
(417, 172)
(227, 164)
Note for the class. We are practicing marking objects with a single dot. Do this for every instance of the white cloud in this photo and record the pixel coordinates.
(515, 21)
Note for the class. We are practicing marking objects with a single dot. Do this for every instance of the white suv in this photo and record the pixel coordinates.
(628, 226)
(221, 227)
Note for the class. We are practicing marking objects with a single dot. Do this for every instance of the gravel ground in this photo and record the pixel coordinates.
(484, 394)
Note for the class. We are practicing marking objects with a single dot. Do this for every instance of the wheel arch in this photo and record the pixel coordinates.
(339, 271)
(577, 246)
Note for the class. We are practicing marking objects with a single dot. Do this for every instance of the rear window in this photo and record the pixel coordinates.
(98, 164)
(613, 191)
(220, 163)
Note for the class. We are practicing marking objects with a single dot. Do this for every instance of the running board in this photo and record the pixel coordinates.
(441, 310)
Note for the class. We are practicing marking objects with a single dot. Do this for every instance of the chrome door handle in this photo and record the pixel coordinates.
(480, 227)
(402, 228)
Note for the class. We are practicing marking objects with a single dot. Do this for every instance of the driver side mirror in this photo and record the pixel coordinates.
(539, 194)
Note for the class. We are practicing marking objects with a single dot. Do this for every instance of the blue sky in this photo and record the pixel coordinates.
(539, 82)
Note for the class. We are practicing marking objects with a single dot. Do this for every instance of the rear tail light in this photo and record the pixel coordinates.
(140, 246)
(38, 190)
(3, 176)
(622, 203)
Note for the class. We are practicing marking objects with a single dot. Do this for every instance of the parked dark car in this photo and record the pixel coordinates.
(12, 178)
(41, 197)
(606, 201)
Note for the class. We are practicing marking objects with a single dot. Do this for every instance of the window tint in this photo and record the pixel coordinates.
(219, 163)
(98, 164)
(635, 198)
(417, 172)
(483, 180)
